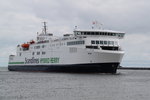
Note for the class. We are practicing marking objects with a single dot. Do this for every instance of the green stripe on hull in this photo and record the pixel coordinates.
(16, 62)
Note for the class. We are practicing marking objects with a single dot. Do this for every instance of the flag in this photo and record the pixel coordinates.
(94, 22)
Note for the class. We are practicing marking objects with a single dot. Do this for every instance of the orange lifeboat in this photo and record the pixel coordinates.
(25, 45)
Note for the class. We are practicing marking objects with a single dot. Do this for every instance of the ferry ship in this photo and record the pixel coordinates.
(86, 50)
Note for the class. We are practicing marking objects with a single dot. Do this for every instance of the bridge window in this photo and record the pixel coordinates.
(110, 42)
(116, 43)
(105, 42)
(97, 42)
(92, 33)
(121, 35)
(100, 33)
(97, 33)
(101, 42)
(92, 42)
(114, 34)
(88, 33)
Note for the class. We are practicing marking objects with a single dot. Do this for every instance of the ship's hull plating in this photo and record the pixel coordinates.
(91, 67)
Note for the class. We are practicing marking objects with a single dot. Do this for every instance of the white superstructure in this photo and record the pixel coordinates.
(95, 47)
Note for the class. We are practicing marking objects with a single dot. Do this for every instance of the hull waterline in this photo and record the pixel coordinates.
(96, 67)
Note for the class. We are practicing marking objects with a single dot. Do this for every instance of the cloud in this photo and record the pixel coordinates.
(124, 15)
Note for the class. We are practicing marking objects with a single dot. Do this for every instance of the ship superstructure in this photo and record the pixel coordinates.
(84, 50)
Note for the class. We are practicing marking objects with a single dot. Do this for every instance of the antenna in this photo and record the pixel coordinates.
(76, 27)
(45, 27)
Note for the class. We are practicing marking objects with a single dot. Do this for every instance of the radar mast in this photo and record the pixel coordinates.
(45, 28)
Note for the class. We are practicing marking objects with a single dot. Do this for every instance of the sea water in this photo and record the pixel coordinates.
(125, 85)
(3, 68)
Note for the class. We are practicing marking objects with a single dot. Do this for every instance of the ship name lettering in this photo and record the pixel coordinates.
(49, 60)
(32, 61)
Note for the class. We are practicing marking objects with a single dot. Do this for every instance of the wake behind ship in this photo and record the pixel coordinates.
(84, 50)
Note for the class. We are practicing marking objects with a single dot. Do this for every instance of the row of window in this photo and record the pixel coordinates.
(101, 33)
(113, 48)
(43, 46)
(38, 47)
(58, 44)
(52, 45)
(35, 53)
(75, 42)
(38, 53)
(104, 42)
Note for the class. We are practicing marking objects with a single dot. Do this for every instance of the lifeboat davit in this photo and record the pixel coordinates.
(25, 45)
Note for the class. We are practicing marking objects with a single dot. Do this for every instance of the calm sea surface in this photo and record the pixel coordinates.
(125, 85)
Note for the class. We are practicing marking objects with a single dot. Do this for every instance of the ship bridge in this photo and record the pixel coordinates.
(107, 33)
(101, 39)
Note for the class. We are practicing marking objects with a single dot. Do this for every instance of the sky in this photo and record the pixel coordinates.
(20, 20)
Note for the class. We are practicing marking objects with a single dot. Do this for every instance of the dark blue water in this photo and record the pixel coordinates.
(125, 85)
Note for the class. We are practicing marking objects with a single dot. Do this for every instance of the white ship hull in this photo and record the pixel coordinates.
(70, 59)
